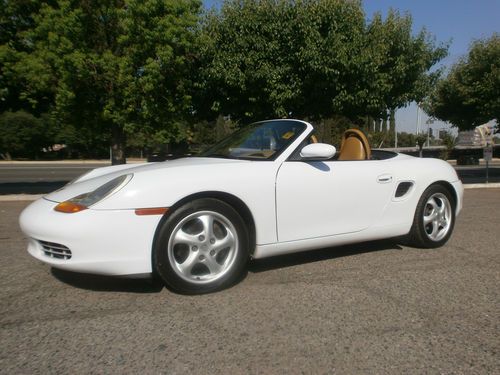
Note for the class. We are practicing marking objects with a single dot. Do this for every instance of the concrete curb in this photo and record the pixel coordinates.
(33, 197)
(491, 185)
(20, 197)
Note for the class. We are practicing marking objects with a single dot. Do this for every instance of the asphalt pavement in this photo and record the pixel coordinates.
(47, 172)
(477, 174)
(42, 178)
(372, 308)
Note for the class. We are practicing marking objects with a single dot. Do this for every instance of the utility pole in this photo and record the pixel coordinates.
(429, 130)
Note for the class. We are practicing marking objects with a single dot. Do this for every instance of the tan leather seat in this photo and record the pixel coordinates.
(354, 146)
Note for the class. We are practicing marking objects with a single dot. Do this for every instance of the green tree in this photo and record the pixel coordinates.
(470, 94)
(401, 61)
(331, 130)
(270, 59)
(22, 135)
(310, 59)
(114, 66)
(205, 133)
(16, 20)
(420, 139)
(406, 139)
(448, 140)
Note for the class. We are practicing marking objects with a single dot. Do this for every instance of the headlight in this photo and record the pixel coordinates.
(84, 201)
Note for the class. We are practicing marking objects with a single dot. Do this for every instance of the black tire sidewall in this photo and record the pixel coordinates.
(161, 263)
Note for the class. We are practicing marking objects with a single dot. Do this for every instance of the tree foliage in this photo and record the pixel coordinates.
(311, 58)
(470, 94)
(112, 69)
(113, 65)
(449, 141)
(22, 134)
(16, 20)
(401, 61)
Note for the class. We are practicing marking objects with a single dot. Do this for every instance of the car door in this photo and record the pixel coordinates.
(326, 198)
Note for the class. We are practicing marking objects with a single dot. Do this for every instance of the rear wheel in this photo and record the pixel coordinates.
(434, 218)
(202, 247)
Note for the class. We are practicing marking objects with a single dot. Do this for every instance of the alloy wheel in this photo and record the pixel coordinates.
(203, 247)
(437, 216)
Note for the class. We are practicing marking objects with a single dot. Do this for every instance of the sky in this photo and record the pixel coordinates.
(458, 22)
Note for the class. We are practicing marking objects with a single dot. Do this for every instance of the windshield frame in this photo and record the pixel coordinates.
(210, 152)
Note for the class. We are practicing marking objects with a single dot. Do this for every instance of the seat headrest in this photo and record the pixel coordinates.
(355, 146)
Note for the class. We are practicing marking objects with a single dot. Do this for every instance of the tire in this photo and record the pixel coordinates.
(434, 218)
(201, 247)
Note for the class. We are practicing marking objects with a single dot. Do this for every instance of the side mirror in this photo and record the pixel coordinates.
(318, 151)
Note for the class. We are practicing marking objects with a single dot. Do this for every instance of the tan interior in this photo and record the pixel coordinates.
(354, 146)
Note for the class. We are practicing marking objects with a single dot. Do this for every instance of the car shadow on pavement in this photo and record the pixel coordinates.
(143, 285)
(106, 283)
(294, 259)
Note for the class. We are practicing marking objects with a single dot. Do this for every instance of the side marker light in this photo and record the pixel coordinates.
(151, 211)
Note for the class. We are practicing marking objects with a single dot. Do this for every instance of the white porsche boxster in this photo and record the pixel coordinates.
(266, 190)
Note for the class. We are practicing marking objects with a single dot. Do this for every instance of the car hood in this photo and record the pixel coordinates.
(99, 176)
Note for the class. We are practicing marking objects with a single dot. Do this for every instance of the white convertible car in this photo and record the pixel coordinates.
(268, 189)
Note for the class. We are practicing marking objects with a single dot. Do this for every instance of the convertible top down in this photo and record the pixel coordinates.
(268, 189)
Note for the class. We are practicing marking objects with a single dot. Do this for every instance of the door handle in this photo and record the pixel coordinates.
(384, 178)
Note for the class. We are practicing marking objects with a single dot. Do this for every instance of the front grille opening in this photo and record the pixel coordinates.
(55, 250)
(403, 188)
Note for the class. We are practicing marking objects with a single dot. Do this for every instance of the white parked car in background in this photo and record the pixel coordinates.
(268, 189)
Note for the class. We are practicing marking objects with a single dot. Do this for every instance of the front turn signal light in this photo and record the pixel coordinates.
(69, 207)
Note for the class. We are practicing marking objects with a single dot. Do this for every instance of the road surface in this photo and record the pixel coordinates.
(374, 308)
(40, 178)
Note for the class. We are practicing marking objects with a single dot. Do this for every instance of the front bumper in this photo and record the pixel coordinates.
(106, 242)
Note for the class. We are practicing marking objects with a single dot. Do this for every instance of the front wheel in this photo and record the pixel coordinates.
(202, 247)
(434, 218)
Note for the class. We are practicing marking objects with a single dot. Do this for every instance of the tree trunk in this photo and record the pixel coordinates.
(366, 125)
(118, 142)
(392, 126)
(392, 121)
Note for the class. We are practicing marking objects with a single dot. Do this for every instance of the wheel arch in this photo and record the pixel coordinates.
(449, 187)
(225, 197)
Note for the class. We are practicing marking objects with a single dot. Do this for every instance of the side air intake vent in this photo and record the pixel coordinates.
(403, 188)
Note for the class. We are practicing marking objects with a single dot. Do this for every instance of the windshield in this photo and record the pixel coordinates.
(258, 141)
